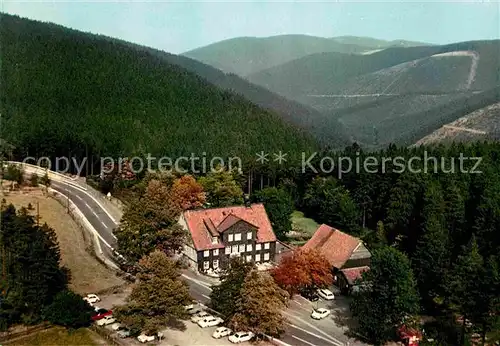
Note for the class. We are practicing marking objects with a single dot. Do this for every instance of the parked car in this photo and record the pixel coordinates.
(326, 294)
(100, 314)
(221, 332)
(193, 309)
(106, 320)
(145, 338)
(238, 337)
(210, 321)
(124, 333)
(320, 313)
(117, 326)
(199, 316)
(92, 299)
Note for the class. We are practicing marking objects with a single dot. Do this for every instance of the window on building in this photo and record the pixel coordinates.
(216, 252)
(216, 264)
(206, 253)
(206, 265)
(227, 250)
(214, 240)
(237, 237)
(249, 258)
(257, 258)
(234, 249)
(266, 246)
(266, 256)
(230, 237)
(249, 236)
(242, 248)
(249, 247)
(258, 247)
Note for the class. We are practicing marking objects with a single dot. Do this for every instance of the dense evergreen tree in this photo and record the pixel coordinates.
(32, 263)
(431, 257)
(279, 207)
(388, 297)
(68, 309)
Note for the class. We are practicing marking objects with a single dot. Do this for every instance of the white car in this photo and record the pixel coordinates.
(106, 320)
(320, 313)
(145, 338)
(210, 322)
(92, 299)
(192, 309)
(199, 316)
(326, 294)
(117, 326)
(221, 332)
(236, 338)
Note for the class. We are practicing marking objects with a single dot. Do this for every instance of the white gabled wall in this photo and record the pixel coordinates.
(189, 250)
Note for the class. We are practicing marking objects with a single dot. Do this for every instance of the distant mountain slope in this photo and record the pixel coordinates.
(404, 119)
(328, 131)
(66, 92)
(326, 72)
(377, 43)
(247, 55)
(395, 94)
(482, 124)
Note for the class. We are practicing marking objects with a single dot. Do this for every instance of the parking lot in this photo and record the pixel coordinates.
(192, 335)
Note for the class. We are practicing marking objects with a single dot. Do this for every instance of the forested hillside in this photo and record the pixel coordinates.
(66, 92)
(327, 130)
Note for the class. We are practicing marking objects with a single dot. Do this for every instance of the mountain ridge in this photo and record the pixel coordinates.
(247, 55)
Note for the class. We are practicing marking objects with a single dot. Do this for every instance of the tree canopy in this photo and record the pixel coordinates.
(159, 297)
(303, 270)
(259, 305)
(32, 264)
(388, 297)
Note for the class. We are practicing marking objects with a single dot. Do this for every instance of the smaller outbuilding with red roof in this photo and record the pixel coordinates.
(347, 255)
(216, 234)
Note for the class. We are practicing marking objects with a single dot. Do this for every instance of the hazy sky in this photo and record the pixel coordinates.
(177, 26)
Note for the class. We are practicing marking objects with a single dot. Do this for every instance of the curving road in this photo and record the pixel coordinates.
(94, 213)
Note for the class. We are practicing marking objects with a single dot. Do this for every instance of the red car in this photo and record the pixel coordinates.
(101, 313)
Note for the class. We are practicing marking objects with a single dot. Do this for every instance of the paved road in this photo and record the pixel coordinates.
(97, 217)
(301, 330)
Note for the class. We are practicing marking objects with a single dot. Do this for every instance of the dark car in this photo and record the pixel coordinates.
(101, 313)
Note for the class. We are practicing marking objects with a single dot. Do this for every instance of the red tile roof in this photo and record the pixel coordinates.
(352, 274)
(335, 245)
(223, 218)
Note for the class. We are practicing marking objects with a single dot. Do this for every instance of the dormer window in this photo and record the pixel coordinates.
(215, 240)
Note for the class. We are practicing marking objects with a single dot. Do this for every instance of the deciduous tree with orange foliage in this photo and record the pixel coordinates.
(304, 269)
(187, 193)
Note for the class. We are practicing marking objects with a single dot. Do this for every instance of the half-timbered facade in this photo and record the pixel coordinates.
(219, 233)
